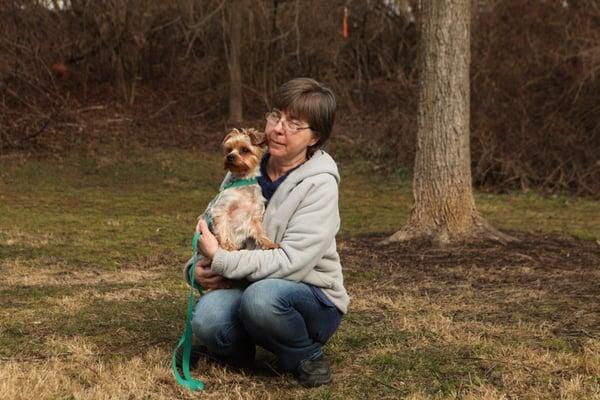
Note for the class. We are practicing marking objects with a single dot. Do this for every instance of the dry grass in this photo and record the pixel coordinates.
(76, 371)
(481, 321)
(384, 348)
(48, 272)
(96, 315)
(19, 238)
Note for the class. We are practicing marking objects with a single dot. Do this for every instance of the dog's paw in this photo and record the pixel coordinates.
(268, 246)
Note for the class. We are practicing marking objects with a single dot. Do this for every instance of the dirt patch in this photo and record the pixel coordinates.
(542, 279)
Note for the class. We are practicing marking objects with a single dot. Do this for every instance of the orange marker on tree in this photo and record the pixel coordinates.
(345, 28)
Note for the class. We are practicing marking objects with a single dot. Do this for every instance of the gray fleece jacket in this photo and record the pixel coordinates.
(303, 218)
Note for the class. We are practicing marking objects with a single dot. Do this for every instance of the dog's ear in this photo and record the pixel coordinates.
(257, 138)
(229, 135)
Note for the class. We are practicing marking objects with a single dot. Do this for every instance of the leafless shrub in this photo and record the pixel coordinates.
(535, 104)
(535, 75)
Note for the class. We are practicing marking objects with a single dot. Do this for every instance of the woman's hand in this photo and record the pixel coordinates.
(207, 279)
(207, 243)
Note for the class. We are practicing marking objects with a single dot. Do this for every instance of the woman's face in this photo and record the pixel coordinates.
(286, 141)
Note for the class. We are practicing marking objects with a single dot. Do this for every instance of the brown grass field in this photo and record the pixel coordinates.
(92, 302)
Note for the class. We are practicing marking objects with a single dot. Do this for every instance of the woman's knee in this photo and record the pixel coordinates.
(204, 327)
(215, 312)
(263, 302)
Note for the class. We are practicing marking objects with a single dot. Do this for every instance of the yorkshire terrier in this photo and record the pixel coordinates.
(235, 214)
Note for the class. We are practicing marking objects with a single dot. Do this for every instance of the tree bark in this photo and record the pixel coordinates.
(235, 72)
(444, 208)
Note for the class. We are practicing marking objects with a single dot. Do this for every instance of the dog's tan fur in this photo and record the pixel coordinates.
(237, 212)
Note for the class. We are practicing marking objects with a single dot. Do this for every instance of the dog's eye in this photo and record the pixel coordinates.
(244, 150)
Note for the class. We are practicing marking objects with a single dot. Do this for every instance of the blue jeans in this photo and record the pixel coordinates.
(283, 317)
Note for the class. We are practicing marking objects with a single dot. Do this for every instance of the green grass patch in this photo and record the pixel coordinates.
(371, 202)
(440, 371)
(558, 214)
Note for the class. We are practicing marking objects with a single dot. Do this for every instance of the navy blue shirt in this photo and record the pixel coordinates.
(268, 189)
(266, 184)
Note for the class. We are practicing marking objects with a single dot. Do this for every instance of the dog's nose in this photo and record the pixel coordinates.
(230, 157)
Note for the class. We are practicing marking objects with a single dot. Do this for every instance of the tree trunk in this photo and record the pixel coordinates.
(444, 209)
(235, 72)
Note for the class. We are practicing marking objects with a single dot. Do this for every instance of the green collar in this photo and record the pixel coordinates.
(240, 182)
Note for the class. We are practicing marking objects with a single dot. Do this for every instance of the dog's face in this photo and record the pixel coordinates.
(243, 150)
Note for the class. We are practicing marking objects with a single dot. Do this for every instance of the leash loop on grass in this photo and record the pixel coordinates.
(186, 339)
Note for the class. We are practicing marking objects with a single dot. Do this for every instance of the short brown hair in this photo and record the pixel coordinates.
(307, 99)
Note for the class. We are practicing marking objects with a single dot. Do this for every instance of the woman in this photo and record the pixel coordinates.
(296, 297)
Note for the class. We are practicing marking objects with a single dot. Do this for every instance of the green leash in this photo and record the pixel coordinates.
(240, 182)
(186, 339)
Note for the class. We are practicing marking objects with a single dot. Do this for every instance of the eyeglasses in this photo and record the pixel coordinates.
(289, 126)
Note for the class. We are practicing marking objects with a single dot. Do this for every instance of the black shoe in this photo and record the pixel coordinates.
(313, 373)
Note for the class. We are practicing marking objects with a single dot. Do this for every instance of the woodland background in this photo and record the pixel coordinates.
(78, 73)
